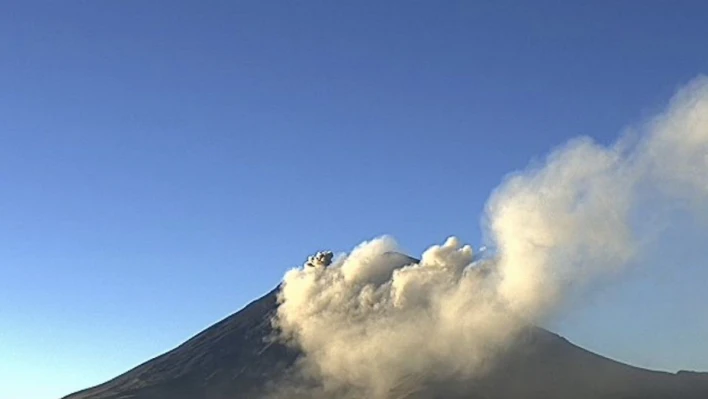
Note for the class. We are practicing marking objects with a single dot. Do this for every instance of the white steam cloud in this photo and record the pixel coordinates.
(373, 318)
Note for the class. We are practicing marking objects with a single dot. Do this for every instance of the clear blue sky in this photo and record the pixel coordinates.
(164, 162)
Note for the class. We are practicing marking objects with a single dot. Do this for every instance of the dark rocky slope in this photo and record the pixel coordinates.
(232, 359)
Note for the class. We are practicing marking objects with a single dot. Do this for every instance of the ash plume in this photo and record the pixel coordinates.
(370, 320)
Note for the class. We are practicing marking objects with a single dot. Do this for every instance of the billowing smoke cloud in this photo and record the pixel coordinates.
(374, 319)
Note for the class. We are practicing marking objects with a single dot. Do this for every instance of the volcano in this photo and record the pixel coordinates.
(237, 358)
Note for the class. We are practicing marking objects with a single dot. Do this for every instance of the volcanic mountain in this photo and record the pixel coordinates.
(235, 358)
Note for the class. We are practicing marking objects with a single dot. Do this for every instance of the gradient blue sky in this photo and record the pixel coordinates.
(162, 163)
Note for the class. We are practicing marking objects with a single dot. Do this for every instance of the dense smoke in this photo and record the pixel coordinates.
(373, 318)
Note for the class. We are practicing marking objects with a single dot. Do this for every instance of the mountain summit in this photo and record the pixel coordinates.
(236, 358)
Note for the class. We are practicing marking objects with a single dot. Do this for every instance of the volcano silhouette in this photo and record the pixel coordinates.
(235, 358)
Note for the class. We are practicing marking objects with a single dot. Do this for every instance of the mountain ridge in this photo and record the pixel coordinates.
(234, 358)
